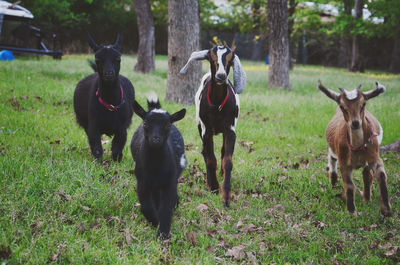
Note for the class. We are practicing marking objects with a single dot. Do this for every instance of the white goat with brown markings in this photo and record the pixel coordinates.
(354, 136)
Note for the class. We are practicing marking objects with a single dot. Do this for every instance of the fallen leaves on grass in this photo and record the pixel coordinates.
(236, 253)
(81, 227)
(85, 208)
(202, 207)
(248, 145)
(261, 248)
(391, 251)
(60, 249)
(55, 142)
(192, 238)
(252, 258)
(188, 147)
(15, 104)
(369, 228)
(36, 225)
(64, 195)
(128, 237)
(320, 225)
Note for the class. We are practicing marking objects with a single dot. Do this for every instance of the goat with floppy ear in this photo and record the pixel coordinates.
(103, 100)
(353, 137)
(159, 153)
(217, 111)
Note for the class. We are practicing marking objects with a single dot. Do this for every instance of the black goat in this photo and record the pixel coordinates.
(159, 153)
(103, 100)
(217, 111)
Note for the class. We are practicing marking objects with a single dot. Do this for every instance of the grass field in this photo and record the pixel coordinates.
(58, 205)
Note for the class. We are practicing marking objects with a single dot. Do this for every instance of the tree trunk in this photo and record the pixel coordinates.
(356, 64)
(395, 61)
(278, 70)
(292, 45)
(394, 147)
(183, 39)
(146, 50)
(345, 41)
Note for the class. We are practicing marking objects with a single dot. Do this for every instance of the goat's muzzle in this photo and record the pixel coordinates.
(109, 75)
(220, 78)
(355, 125)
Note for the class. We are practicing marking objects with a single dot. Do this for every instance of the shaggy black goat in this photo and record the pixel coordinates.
(158, 150)
(103, 100)
(217, 111)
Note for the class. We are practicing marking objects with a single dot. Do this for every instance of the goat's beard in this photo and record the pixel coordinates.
(356, 136)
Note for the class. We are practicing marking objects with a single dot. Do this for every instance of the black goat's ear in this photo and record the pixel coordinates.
(178, 115)
(139, 110)
(92, 43)
(118, 42)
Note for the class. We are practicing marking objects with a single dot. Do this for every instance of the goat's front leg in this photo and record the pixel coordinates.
(211, 162)
(349, 188)
(95, 142)
(227, 165)
(118, 144)
(381, 177)
(168, 201)
(146, 203)
(368, 180)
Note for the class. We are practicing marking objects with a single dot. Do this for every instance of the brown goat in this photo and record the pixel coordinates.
(354, 136)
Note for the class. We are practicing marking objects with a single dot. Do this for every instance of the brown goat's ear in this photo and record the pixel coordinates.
(92, 43)
(373, 93)
(178, 115)
(118, 42)
(139, 110)
(331, 94)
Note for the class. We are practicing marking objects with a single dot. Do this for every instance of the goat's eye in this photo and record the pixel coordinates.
(362, 108)
(343, 109)
(145, 125)
(168, 126)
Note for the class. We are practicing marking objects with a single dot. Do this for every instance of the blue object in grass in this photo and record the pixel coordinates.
(267, 59)
(6, 55)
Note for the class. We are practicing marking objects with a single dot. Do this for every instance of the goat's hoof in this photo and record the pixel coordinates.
(214, 190)
(226, 204)
(386, 212)
(117, 157)
(98, 159)
(353, 213)
(163, 235)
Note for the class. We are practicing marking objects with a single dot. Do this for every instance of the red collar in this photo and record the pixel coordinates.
(223, 102)
(111, 107)
(369, 139)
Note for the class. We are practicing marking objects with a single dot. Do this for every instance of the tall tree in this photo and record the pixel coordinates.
(278, 71)
(345, 40)
(356, 63)
(183, 39)
(146, 50)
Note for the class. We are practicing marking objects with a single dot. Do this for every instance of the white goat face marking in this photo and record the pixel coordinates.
(159, 111)
(351, 95)
(183, 161)
(221, 66)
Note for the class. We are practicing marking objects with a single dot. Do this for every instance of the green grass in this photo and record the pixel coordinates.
(57, 205)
